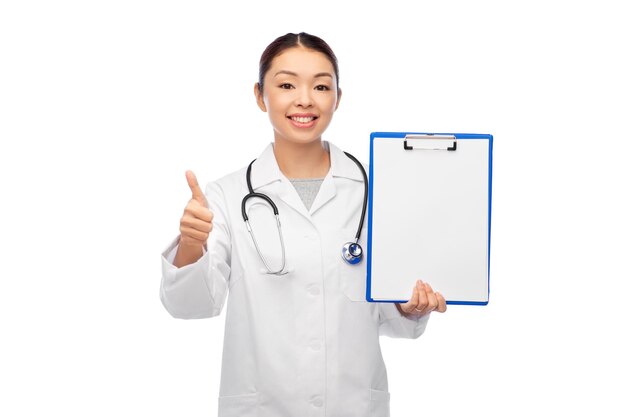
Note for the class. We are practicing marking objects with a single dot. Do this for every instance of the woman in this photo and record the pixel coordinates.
(300, 338)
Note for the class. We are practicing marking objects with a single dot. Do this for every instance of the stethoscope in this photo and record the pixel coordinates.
(351, 252)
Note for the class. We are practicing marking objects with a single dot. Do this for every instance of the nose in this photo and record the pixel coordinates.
(304, 98)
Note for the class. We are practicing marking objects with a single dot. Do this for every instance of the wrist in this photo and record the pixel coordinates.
(187, 243)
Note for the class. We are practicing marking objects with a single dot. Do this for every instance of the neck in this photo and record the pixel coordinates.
(302, 160)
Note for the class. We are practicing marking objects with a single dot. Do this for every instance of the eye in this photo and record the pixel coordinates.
(286, 86)
(322, 87)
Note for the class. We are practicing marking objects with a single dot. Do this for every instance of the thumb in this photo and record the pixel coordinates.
(196, 192)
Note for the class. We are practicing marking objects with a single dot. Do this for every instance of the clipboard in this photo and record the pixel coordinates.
(429, 215)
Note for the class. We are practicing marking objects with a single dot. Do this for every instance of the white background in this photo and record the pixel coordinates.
(104, 104)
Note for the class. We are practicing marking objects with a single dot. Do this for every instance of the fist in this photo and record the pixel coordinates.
(197, 220)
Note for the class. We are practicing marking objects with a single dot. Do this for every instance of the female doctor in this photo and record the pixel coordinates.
(300, 338)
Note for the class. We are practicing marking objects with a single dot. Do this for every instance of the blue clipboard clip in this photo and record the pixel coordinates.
(430, 142)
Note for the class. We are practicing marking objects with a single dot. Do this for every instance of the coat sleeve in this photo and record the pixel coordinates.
(394, 324)
(199, 290)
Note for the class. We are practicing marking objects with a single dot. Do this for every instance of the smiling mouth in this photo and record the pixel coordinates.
(300, 119)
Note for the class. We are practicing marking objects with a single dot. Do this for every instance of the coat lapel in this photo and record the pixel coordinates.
(340, 167)
(325, 194)
(290, 196)
(268, 179)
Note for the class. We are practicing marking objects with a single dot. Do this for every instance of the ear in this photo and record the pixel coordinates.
(259, 97)
(338, 98)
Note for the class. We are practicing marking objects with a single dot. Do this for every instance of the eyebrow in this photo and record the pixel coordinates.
(319, 74)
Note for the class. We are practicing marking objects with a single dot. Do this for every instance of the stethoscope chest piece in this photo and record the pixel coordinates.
(352, 253)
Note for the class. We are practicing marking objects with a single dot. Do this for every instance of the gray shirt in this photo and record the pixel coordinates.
(307, 189)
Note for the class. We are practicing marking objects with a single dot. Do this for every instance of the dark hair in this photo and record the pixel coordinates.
(291, 40)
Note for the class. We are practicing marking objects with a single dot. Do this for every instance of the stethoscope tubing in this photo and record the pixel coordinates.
(351, 252)
(365, 195)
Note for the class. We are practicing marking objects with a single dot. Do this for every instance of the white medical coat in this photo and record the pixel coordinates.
(304, 343)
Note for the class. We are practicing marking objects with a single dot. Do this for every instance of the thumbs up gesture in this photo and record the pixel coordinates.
(196, 223)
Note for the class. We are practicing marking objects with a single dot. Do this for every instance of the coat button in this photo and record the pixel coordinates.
(314, 290)
(315, 346)
(318, 402)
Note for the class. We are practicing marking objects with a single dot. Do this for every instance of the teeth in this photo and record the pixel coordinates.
(302, 119)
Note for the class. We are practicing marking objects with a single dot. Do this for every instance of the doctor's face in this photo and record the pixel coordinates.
(300, 95)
